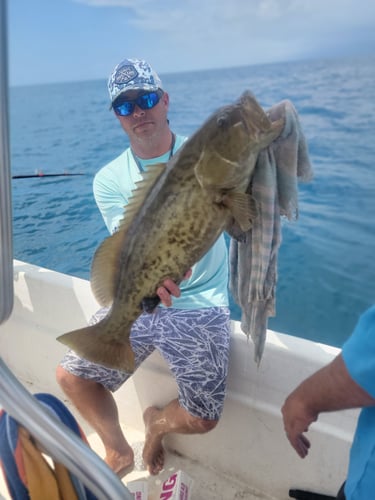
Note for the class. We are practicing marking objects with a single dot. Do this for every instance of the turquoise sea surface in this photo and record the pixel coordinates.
(326, 260)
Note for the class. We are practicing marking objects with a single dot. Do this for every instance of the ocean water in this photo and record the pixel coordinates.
(326, 260)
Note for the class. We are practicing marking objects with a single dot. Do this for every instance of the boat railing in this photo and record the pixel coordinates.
(56, 439)
(6, 247)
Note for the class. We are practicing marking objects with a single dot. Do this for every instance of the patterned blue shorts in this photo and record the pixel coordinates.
(194, 343)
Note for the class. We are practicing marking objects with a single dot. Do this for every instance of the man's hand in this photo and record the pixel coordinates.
(329, 389)
(296, 422)
(170, 289)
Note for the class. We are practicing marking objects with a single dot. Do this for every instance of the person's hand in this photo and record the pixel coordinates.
(296, 423)
(170, 289)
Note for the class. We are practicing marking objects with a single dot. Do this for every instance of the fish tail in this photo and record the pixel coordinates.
(91, 343)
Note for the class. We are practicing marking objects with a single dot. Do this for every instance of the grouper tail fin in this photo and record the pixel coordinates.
(91, 344)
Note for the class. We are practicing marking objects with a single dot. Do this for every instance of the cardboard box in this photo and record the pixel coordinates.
(139, 489)
(177, 487)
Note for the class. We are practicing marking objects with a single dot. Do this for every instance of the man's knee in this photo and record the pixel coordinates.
(67, 381)
(209, 425)
(202, 425)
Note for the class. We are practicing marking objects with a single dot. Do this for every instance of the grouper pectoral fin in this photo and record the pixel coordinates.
(91, 344)
(242, 207)
(233, 229)
(106, 262)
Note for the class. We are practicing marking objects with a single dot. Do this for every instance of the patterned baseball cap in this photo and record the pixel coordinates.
(132, 74)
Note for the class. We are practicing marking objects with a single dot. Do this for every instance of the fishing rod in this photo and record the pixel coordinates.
(41, 174)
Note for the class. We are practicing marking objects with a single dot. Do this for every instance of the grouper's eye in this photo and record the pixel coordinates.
(222, 121)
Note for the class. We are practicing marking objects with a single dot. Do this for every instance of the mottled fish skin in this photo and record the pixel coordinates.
(177, 214)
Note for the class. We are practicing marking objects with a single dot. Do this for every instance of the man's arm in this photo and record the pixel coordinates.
(329, 389)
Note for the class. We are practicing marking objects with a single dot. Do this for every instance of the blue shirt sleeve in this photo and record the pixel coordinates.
(110, 201)
(112, 187)
(358, 352)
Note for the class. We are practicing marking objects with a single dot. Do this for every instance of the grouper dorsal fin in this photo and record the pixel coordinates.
(103, 268)
(106, 261)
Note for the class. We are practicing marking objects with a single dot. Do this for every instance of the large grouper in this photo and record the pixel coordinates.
(174, 216)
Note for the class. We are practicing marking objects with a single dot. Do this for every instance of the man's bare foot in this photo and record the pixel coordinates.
(153, 451)
(121, 464)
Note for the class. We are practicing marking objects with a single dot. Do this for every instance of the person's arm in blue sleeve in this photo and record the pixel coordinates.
(342, 384)
(110, 202)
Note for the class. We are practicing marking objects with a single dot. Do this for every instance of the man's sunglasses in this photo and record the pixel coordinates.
(145, 101)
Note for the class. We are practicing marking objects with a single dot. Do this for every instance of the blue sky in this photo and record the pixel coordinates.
(67, 40)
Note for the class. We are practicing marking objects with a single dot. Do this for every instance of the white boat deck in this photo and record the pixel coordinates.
(207, 483)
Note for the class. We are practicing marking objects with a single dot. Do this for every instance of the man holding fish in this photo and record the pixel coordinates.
(192, 332)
